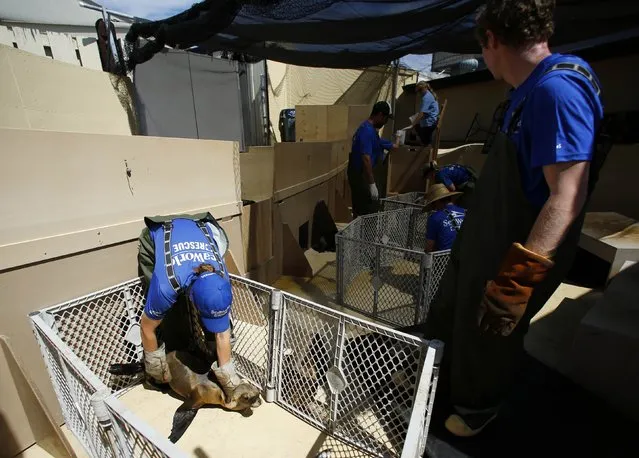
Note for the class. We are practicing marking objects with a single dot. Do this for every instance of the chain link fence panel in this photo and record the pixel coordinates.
(353, 378)
(383, 271)
(403, 201)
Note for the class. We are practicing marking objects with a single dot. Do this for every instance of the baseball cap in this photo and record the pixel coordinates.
(382, 107)
(211, 294)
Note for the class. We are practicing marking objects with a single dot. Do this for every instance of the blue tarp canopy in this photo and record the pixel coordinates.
(352, 34)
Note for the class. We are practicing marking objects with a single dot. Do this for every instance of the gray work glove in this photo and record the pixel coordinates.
(227, 377)
(155, 365)
(374, 192)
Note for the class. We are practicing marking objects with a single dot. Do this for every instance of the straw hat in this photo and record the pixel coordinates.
(437, 192)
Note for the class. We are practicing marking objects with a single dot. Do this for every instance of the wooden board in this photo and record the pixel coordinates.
(299, 166)
(233, 229)
(94, 190)
(402, 171)
(328, 122)
(257, 170)
(257, 233)
(294, 263)
(69, 98)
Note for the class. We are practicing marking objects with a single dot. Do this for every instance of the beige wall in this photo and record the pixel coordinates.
(40, 93)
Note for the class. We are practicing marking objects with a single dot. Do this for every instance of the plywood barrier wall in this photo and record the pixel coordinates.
(68, 192)
(41, 93)
(257, 173)
(328, 122)
(73, 204)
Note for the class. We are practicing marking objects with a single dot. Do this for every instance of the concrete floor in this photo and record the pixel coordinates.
(269, 431)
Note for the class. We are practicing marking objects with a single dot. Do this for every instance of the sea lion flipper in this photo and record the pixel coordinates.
(182, 419)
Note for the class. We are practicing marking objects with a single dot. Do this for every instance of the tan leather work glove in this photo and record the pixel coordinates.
(506, 297)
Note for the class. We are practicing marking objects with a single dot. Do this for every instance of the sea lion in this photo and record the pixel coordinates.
(192, 380)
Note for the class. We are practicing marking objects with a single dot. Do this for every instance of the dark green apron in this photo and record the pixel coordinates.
(481, 366)
(360, 192)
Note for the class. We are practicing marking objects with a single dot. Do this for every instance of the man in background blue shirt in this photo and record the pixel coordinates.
(367, 152)
(455, 177)
(445, 221)
(425, 122)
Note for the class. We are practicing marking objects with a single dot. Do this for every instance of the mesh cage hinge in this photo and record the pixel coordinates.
(48, 319)
(270, 394)
(428, 261)
(276, 300)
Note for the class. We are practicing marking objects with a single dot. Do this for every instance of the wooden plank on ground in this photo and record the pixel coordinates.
(294, 260)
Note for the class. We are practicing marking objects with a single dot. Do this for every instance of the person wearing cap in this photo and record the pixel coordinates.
(455, 177)
(446, 218)
(190, 265)
(367, 152)
(425, 122)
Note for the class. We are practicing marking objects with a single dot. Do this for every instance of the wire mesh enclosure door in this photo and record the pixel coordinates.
(74, 384)
(381, 266)
(135, 438)
(403, 201)
(437, 262)
(81, 338)
(354, 379)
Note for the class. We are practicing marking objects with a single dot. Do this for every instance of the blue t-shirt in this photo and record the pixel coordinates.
(441, 228)
(430, 108)
(453, 174)
(559, 121)
(189, 249)
(366, 141)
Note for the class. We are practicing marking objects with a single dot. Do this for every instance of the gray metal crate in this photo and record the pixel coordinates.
(320, 364)
(403, 201)
(382, 269)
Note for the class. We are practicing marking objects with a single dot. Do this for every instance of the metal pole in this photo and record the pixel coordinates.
(395, 78)
(267, 116)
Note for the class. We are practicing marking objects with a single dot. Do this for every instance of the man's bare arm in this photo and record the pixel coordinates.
(418, 118)
(368, 168)
(147, 329)
(568, 183)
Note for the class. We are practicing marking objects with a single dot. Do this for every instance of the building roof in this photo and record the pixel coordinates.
(58, 12)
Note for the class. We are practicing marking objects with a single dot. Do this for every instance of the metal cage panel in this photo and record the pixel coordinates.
(383, 271)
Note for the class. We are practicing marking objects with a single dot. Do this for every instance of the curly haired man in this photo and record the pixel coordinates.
(520, 235)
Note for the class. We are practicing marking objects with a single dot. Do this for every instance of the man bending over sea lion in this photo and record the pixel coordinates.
(188, 262)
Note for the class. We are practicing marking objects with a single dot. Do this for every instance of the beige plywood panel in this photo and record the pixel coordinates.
(257, 172)
(66, 192)
(233, 229)
(328, 122)
(300, 166)
(257, 233)
(311, 123)
(70, 98)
